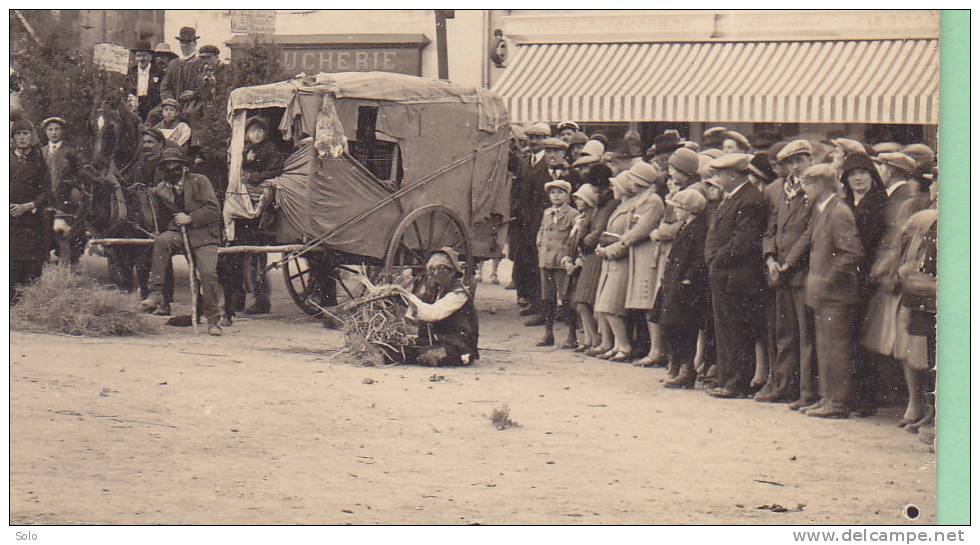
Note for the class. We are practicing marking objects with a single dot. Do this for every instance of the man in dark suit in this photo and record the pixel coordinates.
(185, 200)
(733, 253)
(832, 290)
(521, 251)
(63, 162)
(793, 375)
(143, 80)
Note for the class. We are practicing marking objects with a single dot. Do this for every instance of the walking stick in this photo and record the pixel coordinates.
(193, 277)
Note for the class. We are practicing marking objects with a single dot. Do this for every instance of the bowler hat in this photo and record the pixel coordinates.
(553, 143)
(898, 160)
(796, 147)
(188, 34)
(666, 142)
(739, 162)
(58, 120)
(559, 184)
(172, 155)
(143, 45)
(684, 160)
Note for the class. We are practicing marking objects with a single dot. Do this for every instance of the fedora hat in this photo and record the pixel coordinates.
(188, 34)
(171, 155)
(142, 45)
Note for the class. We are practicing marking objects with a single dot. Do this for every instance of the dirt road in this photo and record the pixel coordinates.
(261, 426)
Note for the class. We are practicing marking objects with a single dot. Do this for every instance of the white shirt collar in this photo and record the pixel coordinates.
(54, 146)
(823, 203)
(891, 189)
(144, 71)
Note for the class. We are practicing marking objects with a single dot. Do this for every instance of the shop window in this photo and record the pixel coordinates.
(903, 134)
(381, 158)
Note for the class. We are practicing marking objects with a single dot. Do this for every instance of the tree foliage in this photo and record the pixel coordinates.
(54, 78)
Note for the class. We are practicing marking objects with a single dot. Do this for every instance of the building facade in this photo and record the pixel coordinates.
(355, 40)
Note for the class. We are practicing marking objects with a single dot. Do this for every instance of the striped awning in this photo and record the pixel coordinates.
(847, 81)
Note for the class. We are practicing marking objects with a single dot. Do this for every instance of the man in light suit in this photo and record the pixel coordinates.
(793, 375)
(832, 290)
(733, 253)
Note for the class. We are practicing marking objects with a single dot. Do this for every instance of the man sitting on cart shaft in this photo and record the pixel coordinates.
(186, 201)
(449, 330)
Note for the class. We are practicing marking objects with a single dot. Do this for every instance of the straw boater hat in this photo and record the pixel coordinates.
(588, 194)
(558, 184)
(689, 199)
(897, 160)
(794, 148)
(58, 120)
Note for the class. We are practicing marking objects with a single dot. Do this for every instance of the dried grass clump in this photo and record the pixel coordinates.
(375, 333)
(501, 418)
(61, 301)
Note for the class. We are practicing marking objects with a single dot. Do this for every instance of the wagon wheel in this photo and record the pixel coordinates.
(314, 283)
(426, 229)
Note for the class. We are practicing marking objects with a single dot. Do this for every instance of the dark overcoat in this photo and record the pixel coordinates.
(29, 182)
(199, 202)
(682, 299)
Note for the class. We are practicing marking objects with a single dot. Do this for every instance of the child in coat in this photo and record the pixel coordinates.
(555, 244)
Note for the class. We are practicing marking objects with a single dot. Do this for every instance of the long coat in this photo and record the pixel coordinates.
(733, 247)
(534, 198)
(647, 209)
(29, 182)
(682, 299)
(199, 202)
(615, 276)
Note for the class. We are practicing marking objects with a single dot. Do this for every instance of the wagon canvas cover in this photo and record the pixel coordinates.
(452, 142)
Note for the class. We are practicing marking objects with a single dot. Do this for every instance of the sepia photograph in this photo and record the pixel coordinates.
(478, 267)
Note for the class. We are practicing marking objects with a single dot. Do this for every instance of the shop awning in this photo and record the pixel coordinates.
(847, 81)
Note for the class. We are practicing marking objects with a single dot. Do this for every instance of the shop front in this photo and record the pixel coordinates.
(311, 54)
(831, 77)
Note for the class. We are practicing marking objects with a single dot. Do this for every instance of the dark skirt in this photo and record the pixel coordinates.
(588, 280)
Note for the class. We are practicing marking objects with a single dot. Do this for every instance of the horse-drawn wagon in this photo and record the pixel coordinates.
(381, 169)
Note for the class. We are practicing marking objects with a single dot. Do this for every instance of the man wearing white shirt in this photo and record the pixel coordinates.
(144, 80)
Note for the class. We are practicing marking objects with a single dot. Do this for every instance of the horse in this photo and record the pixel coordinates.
(98, 201)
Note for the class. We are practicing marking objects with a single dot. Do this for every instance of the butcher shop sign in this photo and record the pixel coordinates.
(310, 54)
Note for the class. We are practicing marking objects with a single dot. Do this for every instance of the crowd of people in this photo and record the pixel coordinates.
(778, 271)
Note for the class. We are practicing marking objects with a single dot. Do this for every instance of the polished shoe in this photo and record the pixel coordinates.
(162, 310)
(829, 411)
(770, 396)
(214, 330)
(535, 321)
(259, 308)
(724, 393)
